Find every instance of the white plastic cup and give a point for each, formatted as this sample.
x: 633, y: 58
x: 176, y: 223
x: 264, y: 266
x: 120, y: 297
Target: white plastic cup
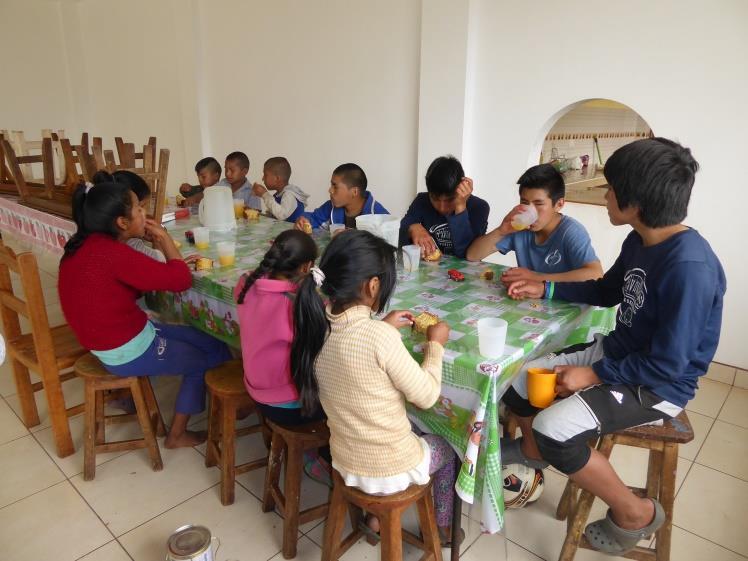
x: 492, y: 337
x: 411, y: 257
x: 226, y: 253
x: 202, y: 237
x: 526, y: 218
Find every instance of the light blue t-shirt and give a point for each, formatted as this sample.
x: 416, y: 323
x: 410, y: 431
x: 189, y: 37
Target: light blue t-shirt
x: 567, y: 248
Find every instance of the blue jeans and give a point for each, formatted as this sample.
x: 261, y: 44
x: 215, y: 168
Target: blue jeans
x: 179, y: 349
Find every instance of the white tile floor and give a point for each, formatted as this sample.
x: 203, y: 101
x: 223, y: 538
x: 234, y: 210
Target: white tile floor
x: 47, y: 511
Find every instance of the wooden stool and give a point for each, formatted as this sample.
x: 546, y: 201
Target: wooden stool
x: 662, y: 443
x: 295, y: 441
x: 227, y: 394
x: 389, y: 510
x: 98, y: 380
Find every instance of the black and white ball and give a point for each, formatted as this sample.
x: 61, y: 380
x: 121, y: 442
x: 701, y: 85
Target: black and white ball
x: 522, y: 485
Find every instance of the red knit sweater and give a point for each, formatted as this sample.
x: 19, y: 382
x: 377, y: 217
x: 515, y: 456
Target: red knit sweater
x: 100, y: 283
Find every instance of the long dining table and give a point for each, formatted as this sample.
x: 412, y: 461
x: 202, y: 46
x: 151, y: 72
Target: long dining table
x: 467, y: 411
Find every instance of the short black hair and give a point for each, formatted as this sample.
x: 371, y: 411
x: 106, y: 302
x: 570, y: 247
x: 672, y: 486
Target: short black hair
x: 240, y: 158
x: 279, y: 166
x: 444, y: 175
x: 352, y: 175
x: 210, y: 163
x: 656, y: 176
x: 546, y: 177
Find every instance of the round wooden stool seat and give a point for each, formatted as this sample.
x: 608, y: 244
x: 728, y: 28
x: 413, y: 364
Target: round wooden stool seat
x: 88, y: 366
x: 304, y: 434
x: 364, y: 500
x: 227, y: 380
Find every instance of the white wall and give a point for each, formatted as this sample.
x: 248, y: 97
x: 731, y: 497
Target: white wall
x: 321, y: 83
x: 680, y: 64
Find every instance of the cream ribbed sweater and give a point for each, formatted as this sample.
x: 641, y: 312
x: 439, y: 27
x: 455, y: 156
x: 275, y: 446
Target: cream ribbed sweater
x: 365, y: 375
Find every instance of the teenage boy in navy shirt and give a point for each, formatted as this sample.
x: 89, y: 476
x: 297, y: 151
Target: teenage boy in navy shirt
x: 448, y: 215
x: 669, y: 285
x: 555, y: 247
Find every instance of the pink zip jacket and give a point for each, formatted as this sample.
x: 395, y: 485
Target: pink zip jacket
x: 266, y: 327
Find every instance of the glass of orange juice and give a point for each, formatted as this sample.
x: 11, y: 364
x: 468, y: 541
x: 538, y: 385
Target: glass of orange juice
x: 238, y: 208
x: 226, y: 253
x: 525, y: 219
x: 202, y: 237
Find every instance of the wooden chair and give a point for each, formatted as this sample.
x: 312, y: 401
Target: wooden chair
x: 98, y: 381
x: 662, y: 443
x: 227, y: 395
x: 49, y: 351
x: 23, y: 147
x: 7, y: 182
x: 295, y: 441
x: 46, y: 196
x: 389, y: 510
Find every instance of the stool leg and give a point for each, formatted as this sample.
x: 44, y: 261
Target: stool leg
x: 565, y: 505
x: 334, y: 525
x: 89, y: 444
x: 391, y: 533
x: 145, y: 423
x: 228, y: 452
x: 100, y: 418
x: 667, y: 498
x: 154, y: 412
x: 214, y: 429
x: 654, y: 469
x: 272, y: 473
x: 427, y: 522
x: 292, y: 493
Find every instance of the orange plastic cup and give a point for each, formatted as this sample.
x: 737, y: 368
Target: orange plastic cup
x: 541, y: 387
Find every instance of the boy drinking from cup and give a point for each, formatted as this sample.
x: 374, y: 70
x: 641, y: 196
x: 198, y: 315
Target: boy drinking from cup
x: 551, y: 247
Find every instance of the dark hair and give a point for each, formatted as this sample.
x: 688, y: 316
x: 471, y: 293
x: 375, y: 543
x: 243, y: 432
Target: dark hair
x: 444, y: 175
x: 210, y: 163
x: 290, y: 250
x: 96, y: 212
x: 240, y: 158
x: 352, y: 258
x: 352, y: 175
x: 127, y: 178
x: 280, y: 167
x: 656, y: 176
x: 546, y: 177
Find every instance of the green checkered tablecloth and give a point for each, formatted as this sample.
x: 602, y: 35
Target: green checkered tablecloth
x: 467, y: 411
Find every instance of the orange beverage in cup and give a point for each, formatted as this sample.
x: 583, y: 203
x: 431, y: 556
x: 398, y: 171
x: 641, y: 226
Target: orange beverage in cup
x: 238, y: 208
x: 226, y: 253
x: 226, y: 260
x: 541, y: 387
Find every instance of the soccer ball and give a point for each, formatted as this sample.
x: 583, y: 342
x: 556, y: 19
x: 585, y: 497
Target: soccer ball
x: 522, y: 485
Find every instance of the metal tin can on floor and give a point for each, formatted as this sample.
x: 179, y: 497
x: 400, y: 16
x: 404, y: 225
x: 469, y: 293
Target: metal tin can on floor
x: 190, y: 543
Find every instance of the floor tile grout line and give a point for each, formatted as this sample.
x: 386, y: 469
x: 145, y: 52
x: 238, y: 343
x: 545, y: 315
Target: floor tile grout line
x: 710, y: 541
x: 47, y: 488
x: 722, y: 472
x: 732, y: 424
x: 522, y: 547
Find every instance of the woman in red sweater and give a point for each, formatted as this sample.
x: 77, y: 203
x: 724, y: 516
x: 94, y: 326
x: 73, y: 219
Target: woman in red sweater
x: 100, y: 279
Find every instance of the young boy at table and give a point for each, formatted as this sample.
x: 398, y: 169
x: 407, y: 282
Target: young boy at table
x: 669, y: 285
x: 349, y: 198
x: 287, y: 201
x: 235, y: 173
x: 448, y: 216
x: 208, y: 172
x: 555, y: 247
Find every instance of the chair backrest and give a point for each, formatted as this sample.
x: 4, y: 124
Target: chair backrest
x: 79, y: 163
x: 6, y: 177
x: 31, y: 306
x: 128, y: 156
x: 15, y: 162
x: 24, y: 147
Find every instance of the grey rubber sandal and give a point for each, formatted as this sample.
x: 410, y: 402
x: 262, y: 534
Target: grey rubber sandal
x: 511, y: 453
x: 609, y: 538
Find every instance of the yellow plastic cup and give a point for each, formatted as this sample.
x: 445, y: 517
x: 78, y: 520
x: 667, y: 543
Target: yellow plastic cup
x: 541, y: 387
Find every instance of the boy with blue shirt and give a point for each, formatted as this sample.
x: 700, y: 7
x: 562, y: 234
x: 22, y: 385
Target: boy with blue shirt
x: 670, y: 288
x: 555, y: 247
x: 235, y: 173
x: 287, y: 202
x: 349, y: 198
x: 448, y: 216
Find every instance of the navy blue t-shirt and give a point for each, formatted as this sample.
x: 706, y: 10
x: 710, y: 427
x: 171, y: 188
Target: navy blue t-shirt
x: 670, y: 314
x: 452, y: 234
